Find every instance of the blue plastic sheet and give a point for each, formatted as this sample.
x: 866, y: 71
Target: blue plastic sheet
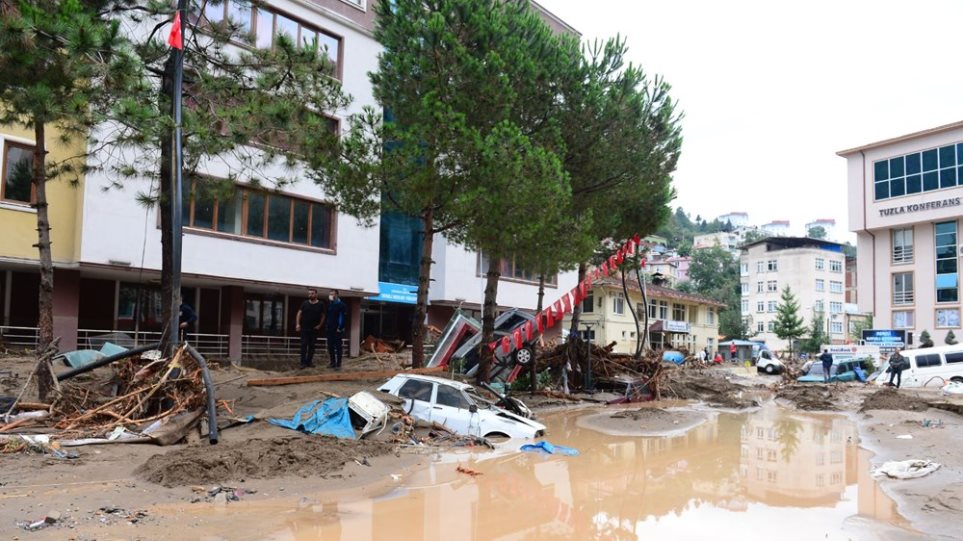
x: 330, y: 418
x: 546, y: 447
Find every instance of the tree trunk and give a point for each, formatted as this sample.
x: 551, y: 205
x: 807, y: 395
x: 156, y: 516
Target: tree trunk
x: 45, y: 336
x: 485, y: 354
x: 635, y: 315
x: 532, y: 369
x: 424, y: 280
x: 577, y: 310
x: 644, y: 336
x: 170, y: 298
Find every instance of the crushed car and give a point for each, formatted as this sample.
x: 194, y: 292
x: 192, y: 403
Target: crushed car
x: 458, y: 407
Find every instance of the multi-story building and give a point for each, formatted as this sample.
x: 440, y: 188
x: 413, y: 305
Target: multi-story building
x: 776, y: 228
x: 682, y: 266
x: 676, y: 319
x: 728, y: 241
x: 736, y: 219
x: 905, y: 206
x: 828, y: 225
x: 813, y: 270
x: 247, y: 260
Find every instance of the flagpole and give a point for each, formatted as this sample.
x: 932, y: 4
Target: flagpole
x: 177, y: 179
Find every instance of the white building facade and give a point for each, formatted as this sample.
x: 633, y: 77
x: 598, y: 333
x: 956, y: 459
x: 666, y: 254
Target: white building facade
x: 905, y: 206
x: 814, y: 272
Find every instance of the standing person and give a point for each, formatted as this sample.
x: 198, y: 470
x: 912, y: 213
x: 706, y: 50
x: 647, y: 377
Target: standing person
x: 897, y: 363
x: 827, y: 360
x: 337, y: 315
x: 308, y: 323
x: 732, y: 351
x: 186, y: 317
x: 702, y: 356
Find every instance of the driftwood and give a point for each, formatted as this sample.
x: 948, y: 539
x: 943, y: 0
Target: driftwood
x: 339, y: 376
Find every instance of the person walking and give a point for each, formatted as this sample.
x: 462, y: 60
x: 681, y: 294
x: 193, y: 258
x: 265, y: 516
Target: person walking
x: 335, y: 319
x: 186, y: 318
x: 897, y: 363
x: 308, y: 323
x: 827, y: 360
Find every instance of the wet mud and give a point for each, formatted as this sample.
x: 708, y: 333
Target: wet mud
x: 890, y: 398
x: 811, y: 397
x: 714, y: 387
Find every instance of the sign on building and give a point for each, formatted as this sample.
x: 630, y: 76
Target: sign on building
x: 676, y: 326
x: 885, y: 338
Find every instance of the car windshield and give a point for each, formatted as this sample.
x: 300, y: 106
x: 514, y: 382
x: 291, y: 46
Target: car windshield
x: 478, y: 400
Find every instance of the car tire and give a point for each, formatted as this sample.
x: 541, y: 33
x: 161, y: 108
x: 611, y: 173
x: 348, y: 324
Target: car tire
x: 525, y: 355
x: 956, y: 379
x: 770, y: 369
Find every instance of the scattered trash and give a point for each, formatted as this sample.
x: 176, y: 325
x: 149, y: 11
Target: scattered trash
x: 549, y: 448
x: 931, y: 423
x: 368, y: 414
x: 904, y: 437
x: 468, y: 471
x: 330, y: 417
x: 906, y: 469
x: 377, y: 345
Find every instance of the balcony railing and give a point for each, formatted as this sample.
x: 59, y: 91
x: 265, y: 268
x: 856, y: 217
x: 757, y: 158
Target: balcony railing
x: 903, y: 297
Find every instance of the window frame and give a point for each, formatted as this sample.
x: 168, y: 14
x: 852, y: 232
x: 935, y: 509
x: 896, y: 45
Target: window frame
x: 772, y: 265
x: 906, y: 254
x: 835, y: 286
x: 30, y: 148
x: 950, y: 325
x: 482, y: 260
x: 618, y: 304
x: 820, y: 264
x: 907, y: 296
x: 911, y: 315
x: 820, y: 285
x: 835, y: 266
x: 954, y: 258
x: 772, y: 286
x: 929, y: 173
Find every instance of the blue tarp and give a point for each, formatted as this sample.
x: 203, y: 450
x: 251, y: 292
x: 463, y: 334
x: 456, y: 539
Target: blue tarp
x: 546, y: 447
x: 330, y: 418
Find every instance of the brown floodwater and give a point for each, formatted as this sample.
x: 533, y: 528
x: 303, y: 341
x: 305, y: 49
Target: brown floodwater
x: 768, y: 474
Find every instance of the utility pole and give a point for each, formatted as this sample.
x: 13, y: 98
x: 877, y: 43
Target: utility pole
x: 177, y: 180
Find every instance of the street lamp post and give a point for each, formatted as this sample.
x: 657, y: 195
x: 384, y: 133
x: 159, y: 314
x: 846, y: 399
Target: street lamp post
x: 589, y: 383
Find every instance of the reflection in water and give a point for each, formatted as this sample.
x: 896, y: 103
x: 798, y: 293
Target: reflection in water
x: 735, y: 476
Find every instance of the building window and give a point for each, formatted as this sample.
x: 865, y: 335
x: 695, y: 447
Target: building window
x: 760, y: 287
x: 618, y: 304
x: 948, y: 318
x: 264, y: 25
x: 820, y: 263
x: 835, y: 287
x: 760, y: 307
x: 693, y: 315
x: 215, y: 206
x: 771, y: 286
x: 835, y: 308
x: 588, y: 304
x: 925, y: 171
x: 678, y: 312
x: 659, y: 310
x: 760, y: 326
x: 264, y: 314
x: 903, y: 245
x: 820, y: 285
x: 587, y: 335
x: 744, y: 269
x: 771, y: 326
x: 903, y: 288
x: 745, y: 306
x: 760, y: 266
x: 745, y: 288
x: 818, y: 306
x: 771, y: 265
x: 771, y: 306
x: 835, y: 266
x: 510, y: 270
x: 947, y: 264
x: 903, y: 319
x: 17, y: 172
x: 836, y: 327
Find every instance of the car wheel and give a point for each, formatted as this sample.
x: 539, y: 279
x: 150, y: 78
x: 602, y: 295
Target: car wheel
x: 956, y: 379
x: 770, y: 369
x: 497, y: 437
x: 524, y: 355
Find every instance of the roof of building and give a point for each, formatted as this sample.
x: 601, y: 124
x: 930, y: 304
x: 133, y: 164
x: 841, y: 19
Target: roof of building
x: 931, y: 131
x: 777, y: 222
x: 558, y: 20
x: 824, y: 221
x: 784, y: 243
x: 740, y: 213
x: 657, y: 291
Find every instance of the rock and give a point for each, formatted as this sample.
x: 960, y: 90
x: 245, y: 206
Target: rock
x: 52, y: 517
x: 220, y: 499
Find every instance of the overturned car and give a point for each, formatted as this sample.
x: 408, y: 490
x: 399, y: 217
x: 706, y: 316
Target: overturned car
x: 458, y: 407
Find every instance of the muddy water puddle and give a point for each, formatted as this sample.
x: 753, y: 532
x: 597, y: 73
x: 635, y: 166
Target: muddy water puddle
x: 769, y: 474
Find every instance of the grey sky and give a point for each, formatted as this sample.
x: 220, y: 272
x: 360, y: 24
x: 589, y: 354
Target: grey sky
x: 772, y: 90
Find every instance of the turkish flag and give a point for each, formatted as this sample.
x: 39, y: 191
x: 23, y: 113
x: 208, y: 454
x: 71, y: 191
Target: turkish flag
x: 540, y: 322
x: 612, y: 264
x: 506, y: 345
x: 519, y: 341
x: 549, y: 318
x: 558, y: 309
x: 529, y: 330
x: 620, y: 256
x: 629, y: 246
x: 643, y: 262
x: 566, y: 304
x: 175, y: 39
x: 605, y: 268
x: 583, y: 288
x: 493, y: 345
x: 636, y: 238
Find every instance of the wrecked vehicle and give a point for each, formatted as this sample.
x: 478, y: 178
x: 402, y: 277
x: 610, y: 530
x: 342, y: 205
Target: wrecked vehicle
x: 458, y: 407
x: 462, y: 336
x: 766, y: 363
x: 839, y: 372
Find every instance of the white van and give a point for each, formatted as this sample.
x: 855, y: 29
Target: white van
x: 929, y: 367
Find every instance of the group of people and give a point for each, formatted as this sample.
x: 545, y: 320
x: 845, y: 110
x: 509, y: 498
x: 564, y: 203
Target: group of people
x: 704, y: 356
x: 897, y: 363
x: 314, y: 314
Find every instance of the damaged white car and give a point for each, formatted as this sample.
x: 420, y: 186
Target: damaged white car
x: 456, y: 406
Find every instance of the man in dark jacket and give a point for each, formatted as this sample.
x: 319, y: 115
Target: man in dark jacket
x: 897, y: 363
x: 308, y: 323
x: 336, y: 318
x: 186, y: 318
x: 827, y: 360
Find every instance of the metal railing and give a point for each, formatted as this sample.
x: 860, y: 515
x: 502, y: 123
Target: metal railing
x: 211, y: 345
x: 281, y: 346
x: 18, y: 337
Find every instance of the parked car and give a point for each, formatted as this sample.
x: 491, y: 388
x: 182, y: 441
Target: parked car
x: 840, y: 372
x: 457, y: 406
x: 505, y: 325
x: 938, y: 365
x: 768, y: 364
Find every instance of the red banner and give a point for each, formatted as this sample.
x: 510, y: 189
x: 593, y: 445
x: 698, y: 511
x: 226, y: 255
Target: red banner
x: 506, y: 345
x: 519, y: 341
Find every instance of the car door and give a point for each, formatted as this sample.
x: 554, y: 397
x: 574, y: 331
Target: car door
x: 418, y: 395
x: 451, y: 408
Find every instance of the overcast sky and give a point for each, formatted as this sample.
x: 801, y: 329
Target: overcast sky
x: 772, y: 90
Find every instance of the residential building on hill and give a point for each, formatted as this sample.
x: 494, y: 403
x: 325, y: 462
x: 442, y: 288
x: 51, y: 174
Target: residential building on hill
x: 737, y: 219
x: 905, y: 198
x: 813, y: 270
x: 828, y: 225
x: 776, y: 228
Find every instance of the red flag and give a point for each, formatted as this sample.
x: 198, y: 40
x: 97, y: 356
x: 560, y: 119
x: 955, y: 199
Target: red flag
x: 506, y: 345
x: 540, y: 322
x: 549, y: 318
x: 558, y: 309
x: 519, y: 341
x: 576, y: 294
x: 583, y: 288
x: 175, y: 39
x: 629, y: 246
x: 529, y: 330
x: 643, y: 262
x: 620, y: 256
x: 636, y: 238
x: 605, y: 269
x: 493, y: 345
x: 566, y: 304
x: 612, y: 264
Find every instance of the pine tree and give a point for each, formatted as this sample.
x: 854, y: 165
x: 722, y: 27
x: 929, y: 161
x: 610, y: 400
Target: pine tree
x: 926, y: 341
x: 789, y: 324
x: 817, y: 334
x: 950, y: 338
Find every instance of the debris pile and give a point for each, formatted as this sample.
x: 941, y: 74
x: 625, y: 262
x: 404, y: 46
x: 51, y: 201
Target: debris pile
x: 810, y: 397
x: 377, y: 345
x: 888, y: 398
x: 405, y: 429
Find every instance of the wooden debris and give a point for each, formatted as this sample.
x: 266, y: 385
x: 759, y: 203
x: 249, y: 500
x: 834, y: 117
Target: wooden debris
x: 468, y: 471
x: 339, y: 376
x: 377, y: 345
